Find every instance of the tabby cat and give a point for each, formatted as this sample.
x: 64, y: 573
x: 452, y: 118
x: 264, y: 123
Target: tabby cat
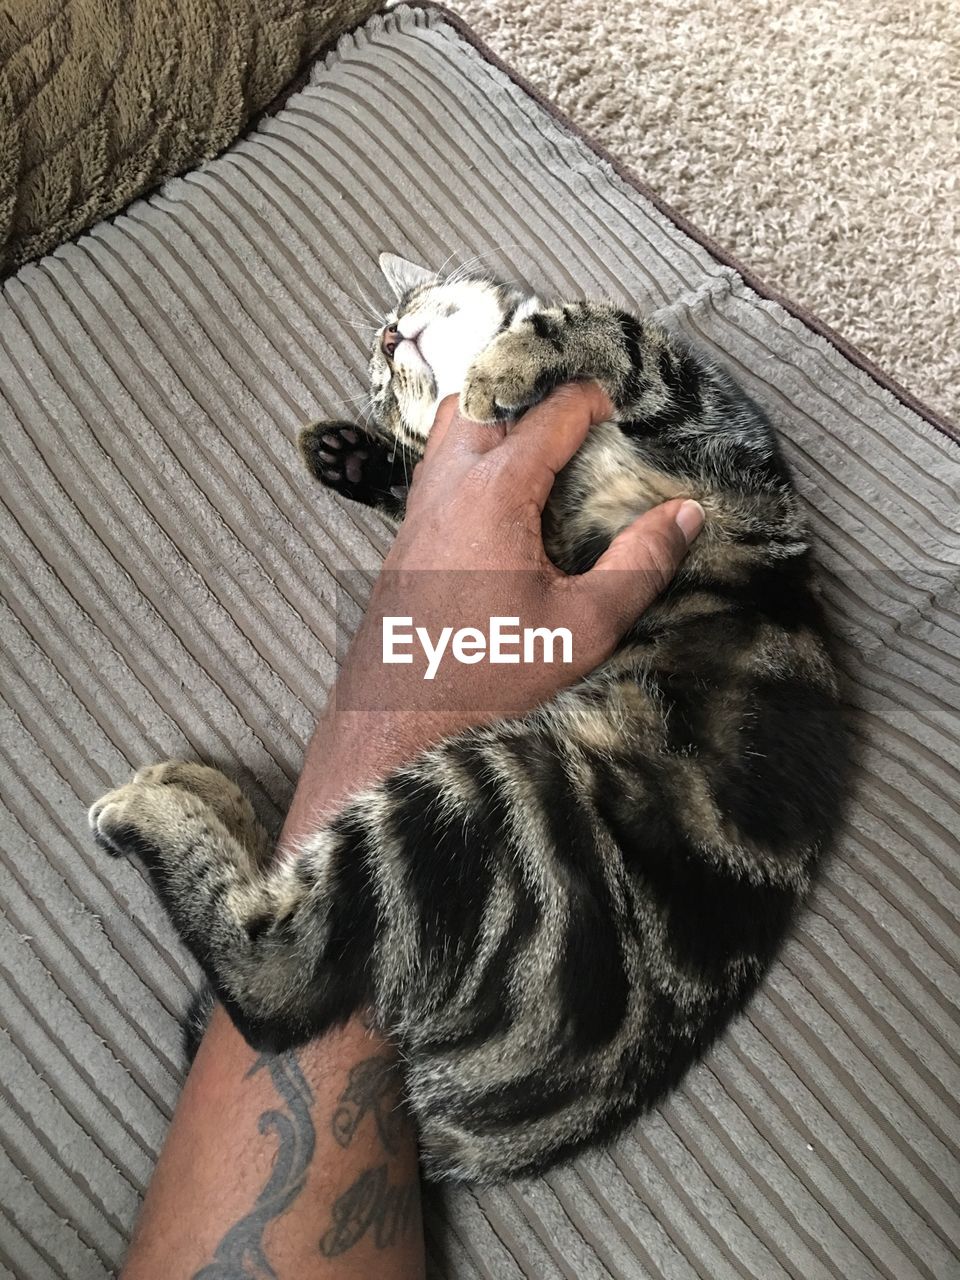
x: 554, y: 915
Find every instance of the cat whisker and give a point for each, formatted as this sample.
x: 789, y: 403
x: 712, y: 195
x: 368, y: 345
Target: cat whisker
x: 375, y: 312
x: 464, y: 268
x: 349, y: 403
x: 443, y: 265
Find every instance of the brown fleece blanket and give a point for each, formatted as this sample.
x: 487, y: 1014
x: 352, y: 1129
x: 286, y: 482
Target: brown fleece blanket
x: 100, y: 100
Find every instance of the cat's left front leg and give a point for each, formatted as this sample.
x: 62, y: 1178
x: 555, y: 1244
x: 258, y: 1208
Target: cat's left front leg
x: 522, y: 365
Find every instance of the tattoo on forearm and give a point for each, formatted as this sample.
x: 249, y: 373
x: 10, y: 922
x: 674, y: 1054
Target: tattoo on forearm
x: 372, y: 1086
x: 371, y: 1204
x: 371, y: 1207
x: 240, y: 1254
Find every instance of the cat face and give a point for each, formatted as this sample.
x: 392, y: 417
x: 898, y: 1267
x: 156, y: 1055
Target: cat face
x: 430, y: 339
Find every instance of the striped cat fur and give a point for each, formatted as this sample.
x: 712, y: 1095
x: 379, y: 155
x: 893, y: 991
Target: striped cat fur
x: 554, y: 916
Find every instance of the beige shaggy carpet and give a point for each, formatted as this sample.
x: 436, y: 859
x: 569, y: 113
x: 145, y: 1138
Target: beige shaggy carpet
x: 818, y: 140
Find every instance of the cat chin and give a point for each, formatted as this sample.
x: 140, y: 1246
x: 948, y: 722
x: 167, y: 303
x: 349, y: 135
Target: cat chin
x: 451, y: 385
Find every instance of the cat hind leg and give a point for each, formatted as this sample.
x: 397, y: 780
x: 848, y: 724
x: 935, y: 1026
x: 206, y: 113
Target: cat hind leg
x: 207, y: 857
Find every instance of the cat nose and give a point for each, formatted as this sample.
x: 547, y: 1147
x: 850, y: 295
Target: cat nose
x: 389, y: 340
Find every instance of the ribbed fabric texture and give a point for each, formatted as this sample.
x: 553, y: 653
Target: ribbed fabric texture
x: 170, y: 587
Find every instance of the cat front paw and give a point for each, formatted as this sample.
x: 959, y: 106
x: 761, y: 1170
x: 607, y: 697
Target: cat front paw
x: 215, y: 789
x: 335, y: 453
x: 514, y: 372
x: 347, y: 460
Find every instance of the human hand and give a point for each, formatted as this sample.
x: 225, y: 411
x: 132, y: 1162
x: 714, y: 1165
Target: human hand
x: 471, y: 550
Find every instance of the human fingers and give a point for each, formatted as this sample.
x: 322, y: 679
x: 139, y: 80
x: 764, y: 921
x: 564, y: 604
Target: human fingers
x: 452, y: 432
x: 642, y: 560
x: 548, y: 435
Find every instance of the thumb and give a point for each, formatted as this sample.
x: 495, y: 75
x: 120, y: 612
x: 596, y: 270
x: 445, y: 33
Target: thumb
x: 643, y: 558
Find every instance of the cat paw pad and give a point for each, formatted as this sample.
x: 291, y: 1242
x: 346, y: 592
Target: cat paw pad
x: 335, y: 454
x: 345, y: 459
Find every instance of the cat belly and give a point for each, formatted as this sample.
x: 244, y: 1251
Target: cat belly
x: 605, y: 487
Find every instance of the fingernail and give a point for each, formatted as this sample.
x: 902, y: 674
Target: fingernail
x: 690, y: 517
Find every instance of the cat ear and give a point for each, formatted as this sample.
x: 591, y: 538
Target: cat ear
x: 403, y: 275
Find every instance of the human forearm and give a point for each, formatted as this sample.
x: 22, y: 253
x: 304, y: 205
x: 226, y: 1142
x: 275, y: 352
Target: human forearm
x: 306, y: 1160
